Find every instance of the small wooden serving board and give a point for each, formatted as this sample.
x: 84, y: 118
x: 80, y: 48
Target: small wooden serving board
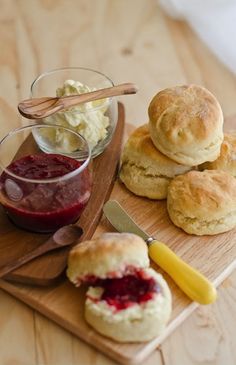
x: 214, y: 256
x: 15, y: 242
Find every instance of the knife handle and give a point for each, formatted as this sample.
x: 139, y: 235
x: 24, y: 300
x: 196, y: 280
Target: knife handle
x: 195, y: 285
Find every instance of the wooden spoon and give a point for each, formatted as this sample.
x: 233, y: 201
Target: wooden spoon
x: 37, y: 108
x: 64, y: 236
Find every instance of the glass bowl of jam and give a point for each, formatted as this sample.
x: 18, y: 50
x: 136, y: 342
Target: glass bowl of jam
x: 43, y: 191
x: 96, y: 120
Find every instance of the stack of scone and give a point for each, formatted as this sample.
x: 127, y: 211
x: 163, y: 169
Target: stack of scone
x: 126, y: 299
x: 185, y: 130
x: 145, y: 170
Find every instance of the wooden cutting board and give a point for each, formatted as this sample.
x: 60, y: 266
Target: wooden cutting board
x: 14, y: 242
x: 213, y: 256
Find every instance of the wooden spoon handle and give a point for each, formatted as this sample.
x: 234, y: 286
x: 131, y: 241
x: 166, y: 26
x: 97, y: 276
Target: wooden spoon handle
x: 122, y: 89
x: 38, y: 108
x: 64, y: 236
x: 40, y: 250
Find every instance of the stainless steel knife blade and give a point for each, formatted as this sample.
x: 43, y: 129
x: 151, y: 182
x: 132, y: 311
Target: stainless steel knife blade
x: 120, y: 220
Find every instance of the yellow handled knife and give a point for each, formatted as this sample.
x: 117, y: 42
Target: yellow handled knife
x: 195, y: 285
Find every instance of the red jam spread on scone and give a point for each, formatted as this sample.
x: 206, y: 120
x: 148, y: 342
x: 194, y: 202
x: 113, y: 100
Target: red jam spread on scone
x: 45, y: 206
x: 128, y: 290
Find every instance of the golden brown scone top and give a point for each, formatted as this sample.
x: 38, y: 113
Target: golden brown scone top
x: 211, y: 193
x: 186, y: 124
x: 107, y: 255
x: 186, y: 108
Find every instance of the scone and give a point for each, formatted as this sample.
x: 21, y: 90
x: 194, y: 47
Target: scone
x: 227, y: 159
x: 110, y: 255
x: 126, y: 301
x: 131, y: 309
x: 144, y: 170
x: 203, y: 203
x: 186, y: 124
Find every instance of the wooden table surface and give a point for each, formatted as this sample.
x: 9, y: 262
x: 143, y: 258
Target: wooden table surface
x: 129, y: 40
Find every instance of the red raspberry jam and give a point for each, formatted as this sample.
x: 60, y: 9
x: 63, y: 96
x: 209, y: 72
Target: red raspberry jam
x: 128, y: 290
x: 44, y: 207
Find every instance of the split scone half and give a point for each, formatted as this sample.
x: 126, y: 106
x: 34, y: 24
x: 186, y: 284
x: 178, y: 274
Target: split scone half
x: 203, y: 203
x: 126, y: 299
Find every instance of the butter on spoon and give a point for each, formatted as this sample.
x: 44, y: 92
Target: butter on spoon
x: 38, y: 108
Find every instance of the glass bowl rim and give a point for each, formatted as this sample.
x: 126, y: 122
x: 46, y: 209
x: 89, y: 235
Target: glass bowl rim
x: 49, y: 180
x: 55, y: 70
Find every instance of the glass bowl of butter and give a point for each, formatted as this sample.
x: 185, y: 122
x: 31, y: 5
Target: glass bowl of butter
x: 95, y: 121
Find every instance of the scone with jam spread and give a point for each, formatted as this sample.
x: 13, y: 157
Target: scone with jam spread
x: 126, y: 299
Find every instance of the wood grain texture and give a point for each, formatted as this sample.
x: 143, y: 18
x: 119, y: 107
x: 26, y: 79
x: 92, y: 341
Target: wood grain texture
x: 214, y: 256
x: 65, y: 236
x: 128, y: 40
